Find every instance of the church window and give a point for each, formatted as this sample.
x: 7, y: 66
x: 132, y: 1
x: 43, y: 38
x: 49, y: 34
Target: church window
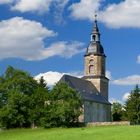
x: 91, y: 62
x: 93, y: 37
x: 91, y: 69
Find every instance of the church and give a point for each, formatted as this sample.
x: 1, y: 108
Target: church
x: 93, y: 87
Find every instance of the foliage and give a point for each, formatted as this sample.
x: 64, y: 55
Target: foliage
x: 42, y: 82
x: 25, y: 102
x: 21, y: 99
x: 133, y: 106
x: 117, y: 111
x: 37, y: 103
x: 16, y: 112
x: 63, y: 107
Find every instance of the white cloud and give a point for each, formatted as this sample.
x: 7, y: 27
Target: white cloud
x: 52, y: 77
x: 138, y: 59
x: 127, y: 81
x: 59, y: 6
x: 125, y: 96
x: 64, y: 49
x: 113, y: 100
x: 122, y: 101
x: 108, y: 75
x: 6, y: 1
x: 85, y: 9
x: 40, y: 6
x: 123, y: 14
x: 32, y: 6
x: 22, y: 38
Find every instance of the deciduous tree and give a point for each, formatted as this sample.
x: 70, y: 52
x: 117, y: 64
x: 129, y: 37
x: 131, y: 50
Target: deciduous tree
x: 63, y: 108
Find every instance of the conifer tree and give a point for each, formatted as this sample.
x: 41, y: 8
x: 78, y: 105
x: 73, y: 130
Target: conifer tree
x: 133, y: 106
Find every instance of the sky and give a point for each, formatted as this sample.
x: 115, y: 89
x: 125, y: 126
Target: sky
x: 49, y: 38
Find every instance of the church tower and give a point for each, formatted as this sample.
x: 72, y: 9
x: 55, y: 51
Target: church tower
x: 95, y: 63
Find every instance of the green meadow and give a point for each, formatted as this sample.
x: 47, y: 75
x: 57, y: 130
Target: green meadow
x: 87, y: 133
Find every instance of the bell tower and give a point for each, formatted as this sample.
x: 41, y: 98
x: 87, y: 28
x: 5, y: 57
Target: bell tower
x: 95, y: 62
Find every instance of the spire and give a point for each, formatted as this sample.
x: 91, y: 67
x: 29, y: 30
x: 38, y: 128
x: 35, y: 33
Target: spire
x: 95, y: 29
x: 95, y: 46
x: 95, y: 35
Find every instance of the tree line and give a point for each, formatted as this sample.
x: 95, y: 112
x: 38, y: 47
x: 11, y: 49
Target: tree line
x: 24, y: 102
x: 130, y: 110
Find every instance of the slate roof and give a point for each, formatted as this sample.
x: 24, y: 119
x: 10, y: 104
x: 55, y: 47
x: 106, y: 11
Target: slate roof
x: 94, y: 48
x: 87, y: 90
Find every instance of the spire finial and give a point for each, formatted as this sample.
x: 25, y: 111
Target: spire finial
x: 95, y: 17
x: 95, y: 24
x: 95, y: 35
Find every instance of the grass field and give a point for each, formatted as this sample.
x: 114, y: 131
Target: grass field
x: 94, y: 133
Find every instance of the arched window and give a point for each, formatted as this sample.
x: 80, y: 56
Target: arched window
x: 91, y: 69
x: 91, y: 62
x: 93, y: 37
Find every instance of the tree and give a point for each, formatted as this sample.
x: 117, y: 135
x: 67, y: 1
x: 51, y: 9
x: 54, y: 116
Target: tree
x: 37, y: 103
x: 42, y: 82
x: 22, y: 99
x: 25, y: 102
x: 63, y: 106
x: 117, y: 111
x: 16, y: 112
x: 133, y: 106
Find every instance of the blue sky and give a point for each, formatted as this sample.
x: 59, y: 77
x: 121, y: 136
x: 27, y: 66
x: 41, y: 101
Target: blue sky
x: 49, y: 37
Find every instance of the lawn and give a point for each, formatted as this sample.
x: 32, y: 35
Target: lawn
x: 92, y: 133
